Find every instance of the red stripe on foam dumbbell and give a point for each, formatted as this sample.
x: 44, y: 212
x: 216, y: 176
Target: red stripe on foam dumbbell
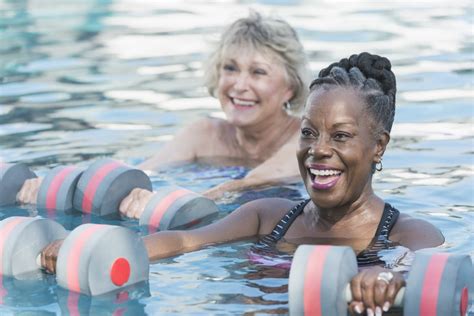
x: 164, y: 204
x: 464, y: 303
x: 94, y: 183
x: 73, y: 281
x: 55, y: 185
x: 313, y: 280
x: 432, y: 283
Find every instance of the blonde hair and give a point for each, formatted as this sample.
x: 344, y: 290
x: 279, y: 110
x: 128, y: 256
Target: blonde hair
x: 270, y: 36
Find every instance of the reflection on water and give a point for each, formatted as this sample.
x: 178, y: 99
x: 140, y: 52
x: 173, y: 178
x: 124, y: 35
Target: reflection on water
x: 82, y: 79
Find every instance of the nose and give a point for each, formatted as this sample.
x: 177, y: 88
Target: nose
x: 320, y: 149
x: 241, y: 82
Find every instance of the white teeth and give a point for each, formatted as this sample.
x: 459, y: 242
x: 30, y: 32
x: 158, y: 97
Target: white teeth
x: 325, y: 172
x: 243, y: 102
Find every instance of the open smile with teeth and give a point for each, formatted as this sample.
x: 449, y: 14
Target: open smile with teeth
x: 323, y: 179
x: 244, y: 103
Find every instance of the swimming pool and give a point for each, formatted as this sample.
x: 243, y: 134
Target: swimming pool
x: 83, y: 79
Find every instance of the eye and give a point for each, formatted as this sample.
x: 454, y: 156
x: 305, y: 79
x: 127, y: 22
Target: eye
x: 229, y: 67
x: 342, y: 136
x: 259, y: 71
x: 306, y: 132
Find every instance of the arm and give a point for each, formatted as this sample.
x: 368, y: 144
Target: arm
x: 244, y: 222
x: 281, y: 167
x: 416, y: 233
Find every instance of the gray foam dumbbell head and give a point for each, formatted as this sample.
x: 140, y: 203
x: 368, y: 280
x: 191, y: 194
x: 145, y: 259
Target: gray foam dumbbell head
x: 58, y: 187
x: 97, y: 259
x: 174, y: 207
x: 12, y: 178
x: 318, y: 279
x: 105, y: 184
x: 439, y: 284
x: 22, y: 240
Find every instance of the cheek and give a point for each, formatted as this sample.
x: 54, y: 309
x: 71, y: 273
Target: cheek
x: 223, y: 83
x: 301, y: 153
x: 358, y: 157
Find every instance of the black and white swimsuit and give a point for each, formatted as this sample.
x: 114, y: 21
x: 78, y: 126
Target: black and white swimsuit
x: 369, y: 256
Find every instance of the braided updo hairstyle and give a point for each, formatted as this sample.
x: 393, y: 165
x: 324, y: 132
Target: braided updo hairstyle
x: 371, y: 76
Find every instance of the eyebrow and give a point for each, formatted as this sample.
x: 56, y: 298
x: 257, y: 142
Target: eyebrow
x: 259, y: 64
x: 349, y: 122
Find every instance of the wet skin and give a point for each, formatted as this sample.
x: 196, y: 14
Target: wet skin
x: 337, y: 144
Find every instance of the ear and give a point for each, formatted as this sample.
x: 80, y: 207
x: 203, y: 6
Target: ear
x: 380, y: 146
x: 288, y: 95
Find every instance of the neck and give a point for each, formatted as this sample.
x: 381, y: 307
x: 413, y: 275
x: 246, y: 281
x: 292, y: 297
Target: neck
x: 365, y: 209
x: 260, y: 140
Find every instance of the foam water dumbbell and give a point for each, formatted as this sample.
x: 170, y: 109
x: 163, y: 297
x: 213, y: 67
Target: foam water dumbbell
x: 12, y: 177
x: 97, y: 259
x: 438, y: 284
x: 22, y: 239
x: 105, y: 184
x: 174, y: 207
x: 57, y: 188
x: 93, y: 259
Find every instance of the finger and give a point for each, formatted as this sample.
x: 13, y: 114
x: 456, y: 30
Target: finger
x: 380, y: 290
x: 356, y: 308
x: 130, y: 209
x: 143, y: 194
x: 21, y: 194
x: 392, y: 290
x: 125, y: 204
x: 28, y: 197
x: 367, y: 286
x: 37, y: 185
x: 356, y: 289
x: 46, y: 259
x: 144, y: 199
x: 138, y: 209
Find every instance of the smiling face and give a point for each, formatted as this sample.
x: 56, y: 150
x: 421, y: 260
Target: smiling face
x: 337, y: 147
x: 252, y: 87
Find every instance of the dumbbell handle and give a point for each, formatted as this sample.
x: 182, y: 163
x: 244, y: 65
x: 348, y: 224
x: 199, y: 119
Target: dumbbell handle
x: 398, y: 302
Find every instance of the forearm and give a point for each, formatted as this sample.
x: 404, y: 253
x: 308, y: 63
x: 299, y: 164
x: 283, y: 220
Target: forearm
x: 249, y: 182
x: 165, y: 244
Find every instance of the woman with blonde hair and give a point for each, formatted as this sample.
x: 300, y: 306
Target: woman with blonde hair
x: 259, y: 73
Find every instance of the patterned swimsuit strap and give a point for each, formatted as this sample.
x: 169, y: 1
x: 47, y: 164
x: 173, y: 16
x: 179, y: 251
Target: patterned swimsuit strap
x: 284, y: 224
x: 381, y: 240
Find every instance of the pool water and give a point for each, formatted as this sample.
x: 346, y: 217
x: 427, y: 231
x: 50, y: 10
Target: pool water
x: 82, y: 79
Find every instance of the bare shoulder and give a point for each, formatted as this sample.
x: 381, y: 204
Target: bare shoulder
x: 270, y: 211
x: 206, y: 125
x: 416, y: 233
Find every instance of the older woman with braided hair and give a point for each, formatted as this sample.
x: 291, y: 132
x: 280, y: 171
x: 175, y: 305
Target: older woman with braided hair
x: 345, y: 129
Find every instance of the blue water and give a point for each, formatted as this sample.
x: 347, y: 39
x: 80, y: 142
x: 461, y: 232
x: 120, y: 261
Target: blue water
x: 82, y: 79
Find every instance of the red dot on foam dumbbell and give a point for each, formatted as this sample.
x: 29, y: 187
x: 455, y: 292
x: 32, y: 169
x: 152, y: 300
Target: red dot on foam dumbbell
x: 120, y: 271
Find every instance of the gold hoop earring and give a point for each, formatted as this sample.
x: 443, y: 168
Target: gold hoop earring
x: 378, y: 165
